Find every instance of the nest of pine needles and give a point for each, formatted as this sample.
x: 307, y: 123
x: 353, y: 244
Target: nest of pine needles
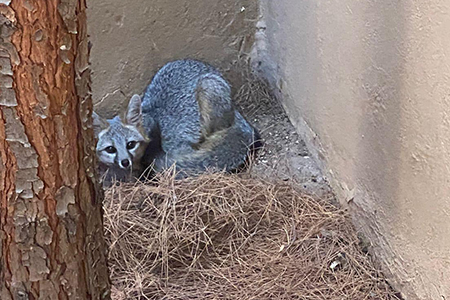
x: 222, y: 236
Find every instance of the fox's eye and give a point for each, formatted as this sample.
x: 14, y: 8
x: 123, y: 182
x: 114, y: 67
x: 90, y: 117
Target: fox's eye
x: 131, y: 145
x: 110, y: 149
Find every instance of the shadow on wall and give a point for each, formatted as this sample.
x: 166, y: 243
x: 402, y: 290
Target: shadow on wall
x: 383, y: 84
x: 402, y: 84
x: 287, y: 57
x: 380, y: 125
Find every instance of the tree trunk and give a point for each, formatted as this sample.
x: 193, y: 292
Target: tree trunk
x: 51, y: 233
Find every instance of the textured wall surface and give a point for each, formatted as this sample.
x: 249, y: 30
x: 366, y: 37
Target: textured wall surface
x: 368, y: 83
x: 132, y: 39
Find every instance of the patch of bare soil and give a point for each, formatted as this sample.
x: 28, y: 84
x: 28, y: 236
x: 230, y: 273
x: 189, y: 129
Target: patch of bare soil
x: 284, y: 155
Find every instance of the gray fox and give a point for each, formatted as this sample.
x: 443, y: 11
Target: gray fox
x: 120, y: 144
x: 188, y: 120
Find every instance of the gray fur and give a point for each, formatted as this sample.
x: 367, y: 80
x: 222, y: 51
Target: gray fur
x: 189, y: 120
x: 188, y: 107
x: 124, y: 162
x: 133, y: 116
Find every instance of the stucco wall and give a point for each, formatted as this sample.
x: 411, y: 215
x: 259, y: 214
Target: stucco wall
x: 132, y: 39
x: 368, y: 84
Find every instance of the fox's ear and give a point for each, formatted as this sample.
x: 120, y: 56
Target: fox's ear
x: 98, y: 123
x: 133, y: 116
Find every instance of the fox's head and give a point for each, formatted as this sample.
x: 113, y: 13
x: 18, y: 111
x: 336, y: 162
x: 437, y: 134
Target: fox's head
x: 121, y: 144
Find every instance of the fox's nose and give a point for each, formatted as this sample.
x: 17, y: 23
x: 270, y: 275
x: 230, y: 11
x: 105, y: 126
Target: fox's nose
x: 125, y: 163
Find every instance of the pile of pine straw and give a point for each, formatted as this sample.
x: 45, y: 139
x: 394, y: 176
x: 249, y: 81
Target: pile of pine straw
x: 233, y: 237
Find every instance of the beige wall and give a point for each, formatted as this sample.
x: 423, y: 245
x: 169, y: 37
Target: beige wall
x: 368, y: 83
x: 132, y: 39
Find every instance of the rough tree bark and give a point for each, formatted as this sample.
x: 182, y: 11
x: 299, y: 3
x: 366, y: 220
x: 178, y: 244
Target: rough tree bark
x: 51, y: 233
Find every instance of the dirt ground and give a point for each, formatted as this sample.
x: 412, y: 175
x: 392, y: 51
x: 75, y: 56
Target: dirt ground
x: 284, y: 155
